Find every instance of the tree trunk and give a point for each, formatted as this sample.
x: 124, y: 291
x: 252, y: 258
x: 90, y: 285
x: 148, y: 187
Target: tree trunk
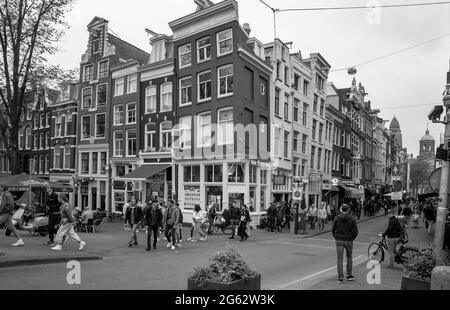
x: 15, y: 163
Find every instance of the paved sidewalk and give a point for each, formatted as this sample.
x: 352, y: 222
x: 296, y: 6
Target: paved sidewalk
x: 390, y: 278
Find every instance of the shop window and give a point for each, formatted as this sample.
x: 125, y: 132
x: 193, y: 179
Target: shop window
x: 192, y: 174
x: 214, y: 174
x: 236, y: 173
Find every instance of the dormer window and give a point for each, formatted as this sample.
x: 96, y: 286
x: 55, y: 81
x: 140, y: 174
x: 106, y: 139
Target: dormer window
x: 96, y: 46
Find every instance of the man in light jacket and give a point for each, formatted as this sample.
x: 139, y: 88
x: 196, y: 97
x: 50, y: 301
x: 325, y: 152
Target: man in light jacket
x: 345, y: 231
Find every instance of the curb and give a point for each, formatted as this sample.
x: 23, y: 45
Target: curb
x: 45, y: 261
x: 329, y: 230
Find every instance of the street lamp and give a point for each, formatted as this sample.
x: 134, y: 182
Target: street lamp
x: 108, y: 169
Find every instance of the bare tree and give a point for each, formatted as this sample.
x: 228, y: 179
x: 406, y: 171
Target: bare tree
x: 420, y: 173
x: 28, y: 32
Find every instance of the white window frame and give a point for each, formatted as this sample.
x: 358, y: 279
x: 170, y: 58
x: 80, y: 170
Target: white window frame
x: 58, y: 126
x: 41, y: 120
x: 132, y: 83
x: 119, y: 82
x: 82, y: 134
x: 226, y: 77
x: 28, y: 135
x: 118, y: 152
x: 135, y: 113
x: 182, y: 54
x: 220, y: 133
x: 47, y: 139
x: 95, y: 131
x: 66, y: 163
x: 96, y: 99
x: 204, y: 48
x: 198, y: 85
x: 185, y: 88
x: 152, y: 134
x: 203, y: 140
x: 230, y: 30
x: 185, y: 132
x: 21, y: 139
x: 47, y: 163
x: 99, y: 71
x: 165, y: 95
x: 48, y: 119
x: 84, y: 72
x: 151, y: 100
x: 116, y: 123
x: 82, y: 98
x: 135, y: 143
x: 57, y: 156
x: 163, y: 132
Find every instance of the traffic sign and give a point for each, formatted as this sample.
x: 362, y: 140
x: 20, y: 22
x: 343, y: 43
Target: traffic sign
x: 398, y: 186
x: 297, y: 194
x: 396, y: 178
x: 395, y: 170
x: 397, y: 196
x: 361, y: 188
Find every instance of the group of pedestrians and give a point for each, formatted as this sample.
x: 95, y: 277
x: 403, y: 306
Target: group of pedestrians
x: 279, y: 215
x: 240, y: 222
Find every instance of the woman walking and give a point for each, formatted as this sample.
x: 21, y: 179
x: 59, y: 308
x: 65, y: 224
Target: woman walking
x: 198, y: 221
x: 312, y: 215
x: 67, y: 225
x: 244, y: 229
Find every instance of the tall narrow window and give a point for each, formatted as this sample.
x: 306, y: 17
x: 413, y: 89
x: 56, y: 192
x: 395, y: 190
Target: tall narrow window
x: 150, y: 132
x: 185, y: 55
x: 204, y: 130
x: 185, y: 136
x: 57, y: 159
x: 166, y: 97
x: 131, y: 113
x: 87, y: 98
x: 58, y: 126
x: 224, y: 42
x: 166, y: 136
x: 41, y: 120
x: 67, y: 157
x: 21, y: 139
x: 204, y: 49
x: 102, y: 91
x: 94, y: 163
x: 118, y: 143
x: 100, y: 125
x: 118, y: 115
x: 286, y: 107
x: 225, y: 81
x: 150, y: 99
x: 132, y: 83
x: 86, y: 127
x: 131, y: 142
x: 225, y: 126
x: 305, y: 114
x: 286, y: 144
x: 28, y: 138
x: 47, y: 163
x: 103, y: 69
x: 204, y: 86
x: 88, y: 73
x: 85, y: 163
x: 186, y: 91
x: 277, y: 102
x: 119, y: 86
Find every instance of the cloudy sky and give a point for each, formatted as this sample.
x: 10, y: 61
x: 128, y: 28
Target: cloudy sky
x: 344, y: 38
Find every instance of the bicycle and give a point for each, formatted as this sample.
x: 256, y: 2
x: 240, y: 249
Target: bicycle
x: 224, y: 228
x: 376, y: 252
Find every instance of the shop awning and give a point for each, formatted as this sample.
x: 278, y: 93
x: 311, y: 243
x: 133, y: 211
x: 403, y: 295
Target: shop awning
x: 145, y: 172
x: 351, y: 192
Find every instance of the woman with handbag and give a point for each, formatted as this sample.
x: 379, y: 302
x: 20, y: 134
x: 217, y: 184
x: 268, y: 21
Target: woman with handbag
x: 198, y: 221
x: 67, y: 225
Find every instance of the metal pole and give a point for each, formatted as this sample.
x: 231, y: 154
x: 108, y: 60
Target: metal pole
x: 442, y: 210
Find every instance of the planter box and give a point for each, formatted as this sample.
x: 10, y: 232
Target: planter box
x: 409, y: 284
x: 251, y: 284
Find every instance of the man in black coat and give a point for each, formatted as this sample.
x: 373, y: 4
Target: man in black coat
x: 235, y: 213
x: 393, y: 234
x: 345, y: 231
x: 53, y: 209
x: 153, y: 219
x: 272, y: 214
x: 133, y: 216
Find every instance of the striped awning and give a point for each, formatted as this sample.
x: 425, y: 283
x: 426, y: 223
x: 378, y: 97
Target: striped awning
x: 351, y: 192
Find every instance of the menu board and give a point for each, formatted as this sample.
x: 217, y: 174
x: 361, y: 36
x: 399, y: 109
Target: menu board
x: 192, y: 197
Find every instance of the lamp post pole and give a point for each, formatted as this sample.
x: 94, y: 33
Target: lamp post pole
x: 108, y: 169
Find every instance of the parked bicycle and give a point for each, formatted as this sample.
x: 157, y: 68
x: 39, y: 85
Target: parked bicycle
x: 219, y: 225
x: 376, y: 252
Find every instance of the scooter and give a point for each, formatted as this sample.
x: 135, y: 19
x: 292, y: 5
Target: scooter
x: 34, y: 223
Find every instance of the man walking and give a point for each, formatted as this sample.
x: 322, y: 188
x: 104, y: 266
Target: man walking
x: 171, y: 218
x: 133, y: 216
x: 345, y: 231
x: 235, y: 219
x: 272, y: 214
x: 153, y: 218
x: 7, y: 211
x: 53, y: 208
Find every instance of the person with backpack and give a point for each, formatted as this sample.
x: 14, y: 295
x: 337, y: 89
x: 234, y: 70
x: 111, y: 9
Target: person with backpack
x: 7, y: 211
x: 67, y: 225
x: 153, y: 218
x: 393, y: 234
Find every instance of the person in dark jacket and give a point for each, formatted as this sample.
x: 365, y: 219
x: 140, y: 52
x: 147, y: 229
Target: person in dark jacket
x: 345, y: 231
x: 7, y: 211
x: 393, y: 234
x: 54, y: 215
x: 153, y: 218
x: 272, y: 215
x: 235, y: 213
x: 244, y: 222
x: 280, y: 218
x: 447, y: 237
x: 133, y: 216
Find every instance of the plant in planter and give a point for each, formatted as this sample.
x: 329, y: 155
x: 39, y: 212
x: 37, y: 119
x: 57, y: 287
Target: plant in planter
x: 419, y: 268
x: 228, y: 271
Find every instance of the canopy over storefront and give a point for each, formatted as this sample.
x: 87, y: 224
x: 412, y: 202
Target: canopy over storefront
x: 23, y: 182
x: 351, y: 192
x: 145, y: 172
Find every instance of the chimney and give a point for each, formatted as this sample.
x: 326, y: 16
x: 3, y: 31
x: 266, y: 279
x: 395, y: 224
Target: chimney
x: 247, y: 28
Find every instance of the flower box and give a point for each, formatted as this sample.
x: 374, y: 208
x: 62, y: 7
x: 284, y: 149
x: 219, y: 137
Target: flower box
x: 410, y: 284
x: 249, y: 284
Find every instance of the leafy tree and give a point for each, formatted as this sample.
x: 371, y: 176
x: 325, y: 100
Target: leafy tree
x: 28, y: 32
x: 420, y: 173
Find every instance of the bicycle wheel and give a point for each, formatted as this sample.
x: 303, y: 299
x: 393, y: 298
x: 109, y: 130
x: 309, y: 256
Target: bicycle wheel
x: 227, y: 230
x: 376, y: 253
x: 406, y: 254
